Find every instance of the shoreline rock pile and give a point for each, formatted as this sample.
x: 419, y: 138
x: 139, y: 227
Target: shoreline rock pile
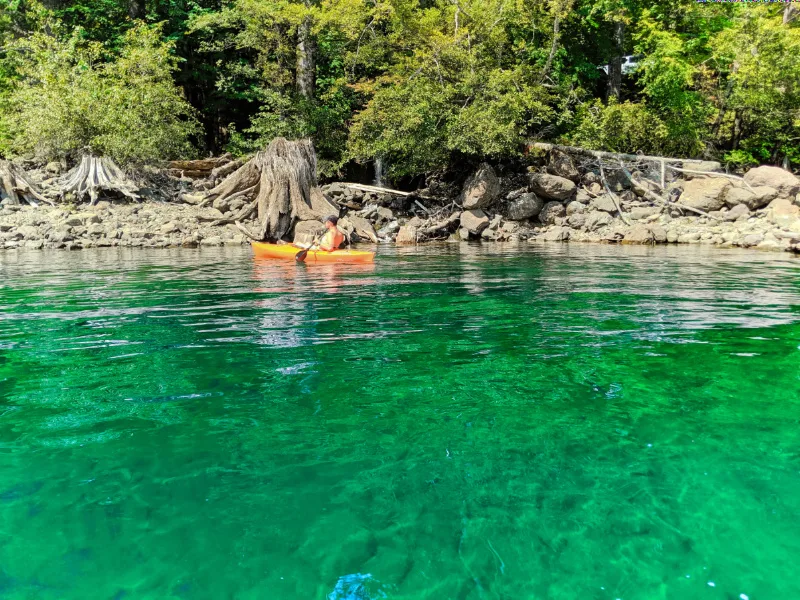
x: 556, y: 200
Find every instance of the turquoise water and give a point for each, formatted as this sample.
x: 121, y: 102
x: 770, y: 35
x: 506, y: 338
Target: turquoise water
x: 462, y: 422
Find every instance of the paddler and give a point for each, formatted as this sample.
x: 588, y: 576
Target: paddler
x: 333, y: 238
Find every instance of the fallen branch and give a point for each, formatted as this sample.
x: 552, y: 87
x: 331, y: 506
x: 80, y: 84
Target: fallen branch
x: 375, y: 189
x: 665, y: 202
x: 712, y: 174
x: 422, y: 206
x: 611, y: 155
x: 613, y: 196
x: 436, y: 227
x: 659, y: 199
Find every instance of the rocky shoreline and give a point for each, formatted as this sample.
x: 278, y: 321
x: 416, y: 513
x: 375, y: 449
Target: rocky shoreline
x: 553, y: 201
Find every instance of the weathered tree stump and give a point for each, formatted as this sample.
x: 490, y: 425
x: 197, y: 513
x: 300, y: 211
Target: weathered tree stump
x: 283, y: 181
x: 95, y: 174
x: 15, y: 186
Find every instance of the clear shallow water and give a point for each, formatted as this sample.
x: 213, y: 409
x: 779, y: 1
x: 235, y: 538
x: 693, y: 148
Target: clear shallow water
x: 559, y: 422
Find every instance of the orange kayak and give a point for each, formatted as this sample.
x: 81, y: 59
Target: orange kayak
x: 289, y: 251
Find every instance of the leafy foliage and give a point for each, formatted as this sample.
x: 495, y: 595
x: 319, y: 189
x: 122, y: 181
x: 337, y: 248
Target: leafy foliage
x: 68, y: 99
x: 416, y: 83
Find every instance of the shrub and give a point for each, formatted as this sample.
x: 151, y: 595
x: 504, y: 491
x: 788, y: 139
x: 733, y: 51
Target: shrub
x: 70, y: 99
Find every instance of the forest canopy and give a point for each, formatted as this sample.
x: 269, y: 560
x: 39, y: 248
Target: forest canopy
x: 419, y: 84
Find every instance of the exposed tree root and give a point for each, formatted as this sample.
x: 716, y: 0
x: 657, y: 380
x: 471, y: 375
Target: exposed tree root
x: 283, y: 179
x: 95, y: 174
x: 15, y: 186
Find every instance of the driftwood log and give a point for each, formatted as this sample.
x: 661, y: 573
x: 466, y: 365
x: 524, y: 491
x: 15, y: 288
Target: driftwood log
x: 95, y: 174
x: 615, y: 156
x: 283, y: 181
x: 197, y: 169
x: 15, y: 186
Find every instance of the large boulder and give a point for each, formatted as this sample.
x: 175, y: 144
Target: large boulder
x: 552, y: 211
x: 575, y: 207
x: 738, y: 212
x: 474, y: 221
x: 582, y: 196
x: 659, y: 233
x: 639, y: 234
x: 360, y: 226
x: 481, y: 189
x: 306, y: 231
x: 576, y: 220
x: 556, y: 234
x: 524, y: 207
x: 759, y: 197
x: 597, y: 219
x: 783, y: 213
x: 552, y: 187
x: 561, y: 164
x: 604, y: 203
x: 787, y: 184
x: 705, y: 194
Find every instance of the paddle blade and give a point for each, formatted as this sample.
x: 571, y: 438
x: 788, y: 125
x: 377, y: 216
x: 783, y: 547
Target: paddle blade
x: 301, y: 256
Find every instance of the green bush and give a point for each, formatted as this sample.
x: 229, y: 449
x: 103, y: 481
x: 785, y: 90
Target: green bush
x: 632, y: 128
x: 68, y: 99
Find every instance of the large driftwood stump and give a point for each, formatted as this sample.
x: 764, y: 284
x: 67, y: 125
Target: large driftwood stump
x: 15, y: 186
x: 95, y: 174
x: 283, y: 181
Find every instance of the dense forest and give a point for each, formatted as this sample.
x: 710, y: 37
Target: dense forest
x: 413, y: 84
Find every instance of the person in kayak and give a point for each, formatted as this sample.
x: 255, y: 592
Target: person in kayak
x: 333, y: 238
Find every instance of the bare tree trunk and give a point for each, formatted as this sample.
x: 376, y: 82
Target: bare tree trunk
x: 137, y: 9
x: 615, y: 68
x: 282, y: 180
x: 553, y: 46
x: 789, y: 13
x: 737, y: 131
x: 723, y: 104
x: 306, y: 68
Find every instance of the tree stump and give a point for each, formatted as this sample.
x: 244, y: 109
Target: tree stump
x: 283, y: 181
x: 15, y: 186
x: 95, y: 174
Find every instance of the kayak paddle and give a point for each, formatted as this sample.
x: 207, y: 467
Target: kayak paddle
x: 301, y: 256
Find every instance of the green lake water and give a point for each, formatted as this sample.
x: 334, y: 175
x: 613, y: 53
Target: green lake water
x: 558, y: 422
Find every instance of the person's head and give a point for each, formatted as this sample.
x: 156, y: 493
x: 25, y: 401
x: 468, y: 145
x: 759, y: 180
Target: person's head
x: 331, y: 221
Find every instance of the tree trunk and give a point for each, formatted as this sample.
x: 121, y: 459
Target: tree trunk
x: 95, y: 174
x: 306, y: 68
x: 15, y: 185
x: 615, y: 67
x: 283, y: 181
x: 789, y: 13
x: 737, y: 131
x: 137, y: 9
x: 553, y: 46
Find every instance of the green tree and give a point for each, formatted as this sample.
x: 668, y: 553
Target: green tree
x: 68, y: 99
